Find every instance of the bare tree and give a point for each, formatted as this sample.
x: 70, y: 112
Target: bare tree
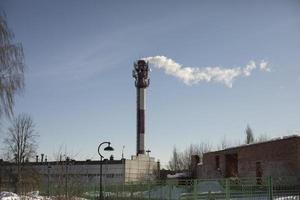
x: 11, y: 68
x: 174, y: 163
x: 262, y: 138
x: 194, y: 149
x: 224, y: 143
x: 249, y: 135
x: 182, y: 160
x: 66, y: 174
x: 21, y: 142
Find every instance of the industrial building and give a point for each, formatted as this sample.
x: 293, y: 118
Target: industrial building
x: 138, y: 168
x: 278, y: 158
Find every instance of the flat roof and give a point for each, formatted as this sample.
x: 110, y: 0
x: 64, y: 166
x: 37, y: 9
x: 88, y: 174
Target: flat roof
x: 279, y: 139
x: 72, y: 162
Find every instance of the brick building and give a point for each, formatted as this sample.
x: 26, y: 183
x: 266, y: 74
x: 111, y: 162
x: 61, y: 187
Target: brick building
x: 277, y: 158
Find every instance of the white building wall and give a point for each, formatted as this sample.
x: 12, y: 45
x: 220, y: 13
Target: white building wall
x: 85, y: 173
x: 140, y: 168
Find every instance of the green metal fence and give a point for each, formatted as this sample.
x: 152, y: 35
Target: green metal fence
x: 232, y: 188
x: 283, y: 188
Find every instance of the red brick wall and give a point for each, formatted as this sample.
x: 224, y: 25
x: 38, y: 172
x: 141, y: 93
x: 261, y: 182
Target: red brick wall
x: 277, y: 158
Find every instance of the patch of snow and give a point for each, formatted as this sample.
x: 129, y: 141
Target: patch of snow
x: 9, y: 196
x: 34, y: 195
x: 177, y: 175
x: 287, y: 198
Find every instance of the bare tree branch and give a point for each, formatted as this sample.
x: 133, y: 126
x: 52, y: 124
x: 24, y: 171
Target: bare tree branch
x: 182, y: 160
x: 11, y: 69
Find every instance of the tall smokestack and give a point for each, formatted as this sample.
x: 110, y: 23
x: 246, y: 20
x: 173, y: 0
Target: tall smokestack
x: 140, y: 74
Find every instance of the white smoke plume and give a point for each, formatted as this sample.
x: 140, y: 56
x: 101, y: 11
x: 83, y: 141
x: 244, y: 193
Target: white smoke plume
x: 195, y: 75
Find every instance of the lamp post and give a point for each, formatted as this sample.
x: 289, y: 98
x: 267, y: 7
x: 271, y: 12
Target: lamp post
x: 108, y: 148
x: 48, y: 178
x: 66, y: 176
x: 148, y: 153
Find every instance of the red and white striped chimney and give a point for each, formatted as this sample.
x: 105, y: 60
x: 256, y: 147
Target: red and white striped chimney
x: 140, y: 74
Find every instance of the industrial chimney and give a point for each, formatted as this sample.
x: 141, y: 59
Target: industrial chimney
x: 140, y: 74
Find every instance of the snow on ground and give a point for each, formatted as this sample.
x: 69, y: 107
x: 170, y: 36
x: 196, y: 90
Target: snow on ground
x: 29, y: 196
x: 9, y: 196
x: 288, y: 198
x: 34, y: 195
x: 209, y: 186
x: 165, y: 192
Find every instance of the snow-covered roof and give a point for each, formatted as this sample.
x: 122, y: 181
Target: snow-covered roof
x: 262, y: 142
x: 177, y: 175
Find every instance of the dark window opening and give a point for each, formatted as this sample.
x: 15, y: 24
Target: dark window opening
x: 231, y: 161
x: 259, y: 173
x: 217, y: 162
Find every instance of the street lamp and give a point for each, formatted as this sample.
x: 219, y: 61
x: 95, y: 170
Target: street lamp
x: 66, y: 176
x: 148, y: 153
x: 108, y: 148
x: 48, y: 178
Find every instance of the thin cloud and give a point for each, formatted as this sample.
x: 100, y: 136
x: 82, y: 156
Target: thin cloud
x: 264, y: 66
x: 195, y: 75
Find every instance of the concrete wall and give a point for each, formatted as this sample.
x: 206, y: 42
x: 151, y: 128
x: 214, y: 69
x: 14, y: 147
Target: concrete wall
x: 140, y: 168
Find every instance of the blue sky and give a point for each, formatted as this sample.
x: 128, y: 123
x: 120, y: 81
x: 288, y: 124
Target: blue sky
x: 80, y: 55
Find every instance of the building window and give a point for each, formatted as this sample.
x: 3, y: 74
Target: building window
x: 217, y: 162
x: 110, y: 175
x: 259, y: 173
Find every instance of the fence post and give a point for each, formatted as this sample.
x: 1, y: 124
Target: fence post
x: 123, y: 189
x: 170, y: 186
x: 149, y: 188
x: 227, y: 189
x: 117, y: 190
x: 195, y: 189
x: 270, y: 188
x: 131, y: 190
